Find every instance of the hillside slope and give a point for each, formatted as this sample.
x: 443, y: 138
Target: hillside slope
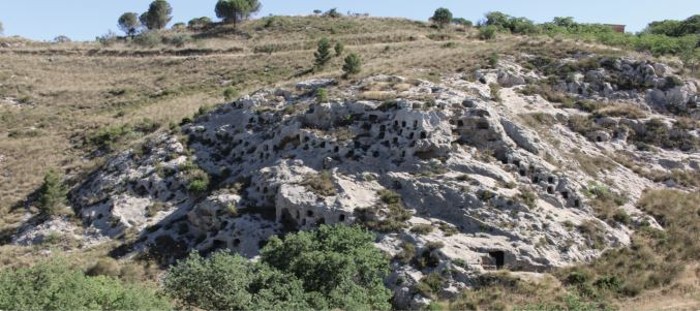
x: 465, y: 156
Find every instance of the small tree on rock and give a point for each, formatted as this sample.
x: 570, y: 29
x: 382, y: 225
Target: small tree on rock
x: 129, y: 23
x: 323, y: 53
x: 52, y: 195
x: 442, y: 17
x: 353, y: 64
x: 158, y: 15
x: 236, y: 11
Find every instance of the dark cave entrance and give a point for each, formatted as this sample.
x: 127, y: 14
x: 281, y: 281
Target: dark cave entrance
x: 499, y: 258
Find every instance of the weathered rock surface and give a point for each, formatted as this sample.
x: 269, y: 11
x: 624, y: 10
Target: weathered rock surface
x: 495, y: 191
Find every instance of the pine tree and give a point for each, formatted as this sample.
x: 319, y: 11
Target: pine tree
x: 323, y: 54
x: 52, y: 195
x: 353, y: 64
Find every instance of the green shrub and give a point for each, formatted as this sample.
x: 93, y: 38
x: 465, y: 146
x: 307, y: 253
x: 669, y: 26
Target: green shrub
x: 321, y: 95
x: 199, y: 23
x: 321, y: 183
x: 408, y: 252
x: 488, y: 32
x: 54, y: 285
x: 231, y: 93
x: 353, y: 64
x: 422, y: 229
x: 323, y: 53
x: 338, y: 262
x: 149, y: 39
x: 52, y: 194
x: 462, y: 21
x: 329, y: 268
x: 179, y: 40
x: 339, y: 48
x: 197, y: 181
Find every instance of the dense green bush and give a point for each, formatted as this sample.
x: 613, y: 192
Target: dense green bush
x: 516, y: 25
x: 56, y: 286
x: 674, y: 28
x: 353, y: 64
x: 442, y: 17
x: 231, y: 93
x: 488, y: 32
x: 330, y: 268
x: 149, y: 39
x: 230, y: 282
x: 655, y: 41
x: 199, y: 22
x: 341, y: 263
x: 339, y: 48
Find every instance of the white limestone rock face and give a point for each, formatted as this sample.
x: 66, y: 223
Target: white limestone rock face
x: 496, y: 191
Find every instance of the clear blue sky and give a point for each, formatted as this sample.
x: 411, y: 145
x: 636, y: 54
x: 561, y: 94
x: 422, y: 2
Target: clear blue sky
x: 85, y: 19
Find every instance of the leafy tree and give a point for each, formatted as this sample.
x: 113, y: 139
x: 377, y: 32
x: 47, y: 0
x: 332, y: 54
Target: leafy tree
x: 566, y: 22
x: 235, y: 11
x: 317, y: 12
x: 497, y: 19
x: 339, y: 262
x: 129, y: 23
x: 333, y: 13
x: 442, y: 17
x: 62, y: 39
x: 339, y: 48
x: 54, y: 285
x: 158, y: 15
x: 522, y: 25
x: 323, y: 53
x: 331, y: 268
x: 230, y: 282
x: 691, y: 26
x: 353, y: 64
x: 52, y: 195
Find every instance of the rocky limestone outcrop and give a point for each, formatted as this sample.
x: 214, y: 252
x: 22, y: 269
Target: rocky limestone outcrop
x: 492, y: 190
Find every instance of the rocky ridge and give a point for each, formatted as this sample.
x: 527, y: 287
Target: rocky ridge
x: 453, y: 175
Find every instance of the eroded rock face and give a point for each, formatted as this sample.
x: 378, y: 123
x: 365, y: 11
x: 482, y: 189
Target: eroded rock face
x: 482, y: 188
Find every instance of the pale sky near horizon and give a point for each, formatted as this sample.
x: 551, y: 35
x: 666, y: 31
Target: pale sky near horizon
x: 86, y: 19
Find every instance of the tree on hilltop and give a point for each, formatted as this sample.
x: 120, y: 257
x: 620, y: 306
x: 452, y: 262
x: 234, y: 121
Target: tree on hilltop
x: 442, y: 17
x: 236, y: 11
x: 158, y: 15
x: 129, y: 23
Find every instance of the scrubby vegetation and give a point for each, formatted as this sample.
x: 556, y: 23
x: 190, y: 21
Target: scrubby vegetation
x: 54, y: 285
x: 330, y: 268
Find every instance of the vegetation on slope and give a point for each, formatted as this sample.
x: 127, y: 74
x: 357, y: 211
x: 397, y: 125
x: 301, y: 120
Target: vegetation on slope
x: 329, y: 268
